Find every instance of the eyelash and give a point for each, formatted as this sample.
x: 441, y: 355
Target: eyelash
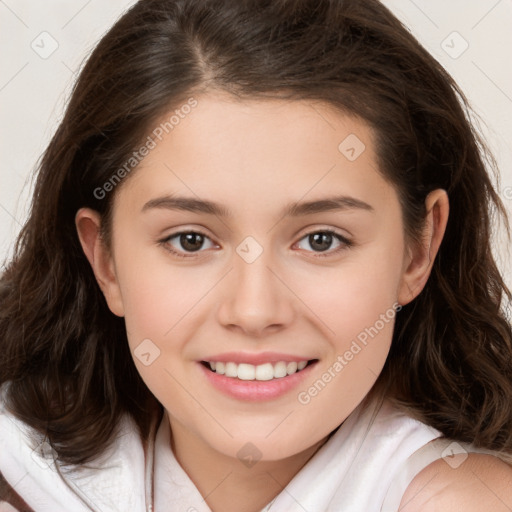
x: 346, y: 243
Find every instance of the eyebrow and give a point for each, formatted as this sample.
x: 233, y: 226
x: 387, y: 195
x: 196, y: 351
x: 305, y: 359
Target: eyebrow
x: 296, y: 209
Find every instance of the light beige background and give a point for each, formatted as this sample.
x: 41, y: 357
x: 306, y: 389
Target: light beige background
x: 34, y: 84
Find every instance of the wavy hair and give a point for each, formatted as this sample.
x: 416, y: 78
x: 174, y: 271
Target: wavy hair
x: 64, y: 357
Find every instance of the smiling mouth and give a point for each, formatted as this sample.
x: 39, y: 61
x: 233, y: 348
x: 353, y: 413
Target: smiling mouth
x: 261, y: 372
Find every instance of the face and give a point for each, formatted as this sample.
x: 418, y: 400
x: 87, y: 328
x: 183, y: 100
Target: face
x: 260, y: 237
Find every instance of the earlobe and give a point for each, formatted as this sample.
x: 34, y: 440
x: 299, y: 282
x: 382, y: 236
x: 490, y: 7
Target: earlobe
x: 88, y: 224
x: 420, y: 259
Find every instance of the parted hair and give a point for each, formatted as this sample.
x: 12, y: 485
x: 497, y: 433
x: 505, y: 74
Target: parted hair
x: 64, y: 357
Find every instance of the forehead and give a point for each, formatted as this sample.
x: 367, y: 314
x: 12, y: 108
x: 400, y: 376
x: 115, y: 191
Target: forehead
x: 222, y: 125
x: 254, y: 153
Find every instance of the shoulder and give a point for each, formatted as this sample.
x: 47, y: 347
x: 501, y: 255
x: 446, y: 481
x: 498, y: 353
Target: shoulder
x: 480, y: 482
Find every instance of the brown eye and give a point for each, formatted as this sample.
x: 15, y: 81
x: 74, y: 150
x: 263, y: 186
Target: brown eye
x: 191, y: 241
x: 187, y: 242
x: 320, y: 241
x: 323, y: 241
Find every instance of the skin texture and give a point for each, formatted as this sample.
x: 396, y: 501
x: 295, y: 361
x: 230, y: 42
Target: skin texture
x: 254, y: 158
x: 481, y: 482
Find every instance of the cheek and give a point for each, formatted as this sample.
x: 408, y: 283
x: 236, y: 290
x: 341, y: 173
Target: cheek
x: 156, y: 294
x: 363, y: 327
x: 356, y: 303
x: 352, y: 295
x: 160, y: 300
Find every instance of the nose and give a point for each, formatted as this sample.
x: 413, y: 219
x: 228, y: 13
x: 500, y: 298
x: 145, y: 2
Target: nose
x: 256, y: 301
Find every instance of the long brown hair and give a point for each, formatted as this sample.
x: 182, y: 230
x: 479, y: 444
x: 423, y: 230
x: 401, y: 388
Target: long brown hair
x: 65, y: 356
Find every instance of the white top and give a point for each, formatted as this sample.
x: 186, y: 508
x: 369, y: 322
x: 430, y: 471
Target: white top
x: 365, y: 466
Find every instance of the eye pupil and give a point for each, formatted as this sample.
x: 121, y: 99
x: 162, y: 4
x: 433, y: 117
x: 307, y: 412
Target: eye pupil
x: 191, y: 241
x: 320, y: 241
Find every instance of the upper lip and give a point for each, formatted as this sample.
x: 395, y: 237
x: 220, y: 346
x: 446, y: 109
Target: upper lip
x: 255, y: 359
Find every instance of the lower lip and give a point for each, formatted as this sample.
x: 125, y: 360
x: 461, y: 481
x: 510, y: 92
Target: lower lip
x: 256, y: 390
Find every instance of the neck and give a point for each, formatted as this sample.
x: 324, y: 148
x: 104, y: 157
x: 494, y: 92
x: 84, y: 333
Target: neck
x: 227, y: 484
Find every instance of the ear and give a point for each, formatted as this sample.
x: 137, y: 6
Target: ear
x: 88, y: 224
x: 420, y: 258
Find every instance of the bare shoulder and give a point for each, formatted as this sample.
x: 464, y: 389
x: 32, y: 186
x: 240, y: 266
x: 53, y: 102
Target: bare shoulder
x: 480, y: 482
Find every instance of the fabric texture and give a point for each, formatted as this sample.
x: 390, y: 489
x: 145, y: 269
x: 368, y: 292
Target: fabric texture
x: 365, y: 466
x: 10, y: 501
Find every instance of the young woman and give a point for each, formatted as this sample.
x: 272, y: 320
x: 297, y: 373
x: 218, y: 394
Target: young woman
x: 257, y: 275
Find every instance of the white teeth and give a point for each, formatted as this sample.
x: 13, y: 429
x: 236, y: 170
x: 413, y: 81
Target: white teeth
x: 291, y: 368
x: 280, y: 370
x: 245, y: 371
x: 266, y: 371
x: 231, y: 370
